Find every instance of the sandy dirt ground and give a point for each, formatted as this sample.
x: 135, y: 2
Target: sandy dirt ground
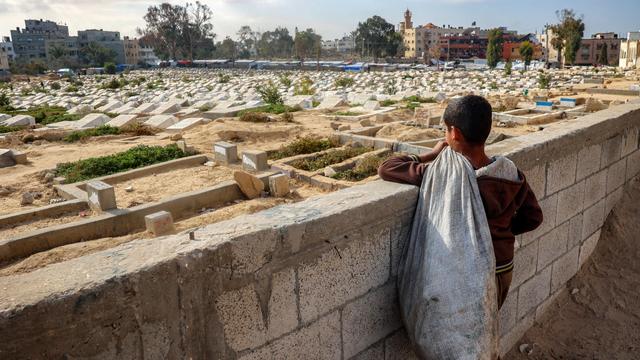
x: 21, y: 228
x: 597, y: 316
x: 408, y: 133
x: 300, y: 191
x: 158, y: 186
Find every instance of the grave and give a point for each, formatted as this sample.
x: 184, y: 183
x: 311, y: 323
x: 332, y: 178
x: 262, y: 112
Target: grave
x: 254, y: 160
x: 185, y: 124
x: 101, y: 196
x: 91, y: 121
x: 160, y: 223
x: 161, y: 121
x: 225, y: 153
x: 19, y: 120
x: 123, y: 120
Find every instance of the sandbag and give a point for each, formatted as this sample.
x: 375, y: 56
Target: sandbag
x: 446, y: 278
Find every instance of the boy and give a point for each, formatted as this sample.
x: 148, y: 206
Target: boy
x: 510, y: 204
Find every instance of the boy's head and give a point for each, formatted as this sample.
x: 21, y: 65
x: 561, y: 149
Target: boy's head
x: 468, y: 122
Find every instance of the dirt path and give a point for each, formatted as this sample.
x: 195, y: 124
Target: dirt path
x: 601, y: 319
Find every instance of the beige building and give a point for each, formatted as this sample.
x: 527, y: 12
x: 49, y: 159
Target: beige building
x: 4, y: 60
x: 549, y: 53
x: 629, y: 54
x: 131, y: 51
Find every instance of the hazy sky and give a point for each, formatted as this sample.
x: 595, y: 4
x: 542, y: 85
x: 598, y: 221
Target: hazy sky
x: 331, y: 18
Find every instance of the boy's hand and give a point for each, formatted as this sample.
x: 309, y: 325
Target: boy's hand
x: 441, y: 145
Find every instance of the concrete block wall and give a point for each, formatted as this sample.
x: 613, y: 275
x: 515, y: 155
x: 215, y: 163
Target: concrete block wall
x: 314, y: 279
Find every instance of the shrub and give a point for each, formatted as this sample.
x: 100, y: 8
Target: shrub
x: 419, y: 99
x: 285, y: 80
x: 114, y: 84
x: 305, y: 87
x: 55, y: 85
x: 344, y: 82
x: 304, y: 145
x: 139, y: 129
x: 204, y: 108
x: 507, y: 68
x: 270, y: 93
x: 5, y: 101
x: 45, y: 114
x: 330, y: 158
x: 99, y: 131
x: 255, y: 117
x: 109, y: 68
x: 347, y: 113
x: 223, y: 78
x: 544, y: 81
x: 8, y: 129
x: 493, y: 86
x: 71, y: 89
x: 133, y: 158
x: 386, y: 103
x: 365, y: 168
x: 390, y: 88
x: 287, y: 117
x: 315, y: 103
x: 271, y: 109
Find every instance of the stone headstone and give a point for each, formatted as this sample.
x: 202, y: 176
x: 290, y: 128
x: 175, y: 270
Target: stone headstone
x: 101, y: 196
x: 225, y: 152
x: 279, y: 185
x: 159, y: 223
x: 254, y: 160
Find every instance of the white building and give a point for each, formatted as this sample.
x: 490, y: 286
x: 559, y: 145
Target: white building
x: 7, y: 54
x: 345, y: 45
x: 146, y: 55
x: 629, y: 54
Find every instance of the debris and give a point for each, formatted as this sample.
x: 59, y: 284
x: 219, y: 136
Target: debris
x: 27, y: 199
x: 250, y: 185
x: 575, y: 291
x: 129, y: 188
x: 526, y: 349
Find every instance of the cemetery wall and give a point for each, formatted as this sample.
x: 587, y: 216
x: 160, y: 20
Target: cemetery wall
x: 314, y: 279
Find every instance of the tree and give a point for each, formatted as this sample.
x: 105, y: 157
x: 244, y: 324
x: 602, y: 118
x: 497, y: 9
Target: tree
x: 526, y: 52
x: 196, y: 28
x: 57, y: 53
x: 307, y: 43
x: 166, y: 23
x: 507, y: 67
x: 494, y: 48
x: 276, y: 44
x: 603, y: 57
x: 376, y: 37
x: 227, y: 49
x: 247, y: 41
x: 95, y: 54
x: 569, y: 32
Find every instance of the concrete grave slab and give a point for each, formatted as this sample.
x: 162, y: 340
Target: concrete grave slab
x: 19, y: 120
x: 123, y: 120
x: 161, y: 121
x: 91, y: 121
x: 185, y: 124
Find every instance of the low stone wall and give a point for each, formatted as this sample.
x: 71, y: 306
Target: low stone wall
x: 314, y: 279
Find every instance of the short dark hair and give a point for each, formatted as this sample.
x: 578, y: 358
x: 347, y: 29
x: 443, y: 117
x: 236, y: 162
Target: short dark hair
x: 471, y: 114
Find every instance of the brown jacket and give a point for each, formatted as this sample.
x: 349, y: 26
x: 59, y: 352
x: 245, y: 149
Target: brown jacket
x: 511, y: 206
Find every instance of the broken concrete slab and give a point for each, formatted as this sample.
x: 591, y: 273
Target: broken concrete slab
x: 279, y: 185
x: 249, y: 184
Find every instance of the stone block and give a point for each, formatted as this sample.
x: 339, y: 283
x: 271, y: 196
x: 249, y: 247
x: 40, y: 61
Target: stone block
x: 570, y: 202
x: 611, y: 150
x: 254, y: 160
x: 101, y: 196
x: 161, y: 121
x: 244, y: 321
x: 549, y: 208
x: 537, y: 179
x: 525, y: 262
x: 533, y: 292
x: 369, y: 319
x: 616, y: 175
x: 279, y: 185
x: 159, y: 223
x: 375, y: 352
x: 371, y: 105
x: 629, y: 141
x: 507, y: 315
x: 595, y: 188
x: 561, y: 173
x: 587, y: 248
x: 225, y: 152
x: 575, y: 231
x: 19, y: 157
x: 611, y: 201
x: 399, y: 237
x: 633, y: 165
x: 250, y: 185
x: 552, y: 245
x: 593, y: 218
x: 564, y: 268
x: 6, y: 158
x: 344, y: 273
x: 319, y: 340
x: 398, y: 347
x: 589, y: 161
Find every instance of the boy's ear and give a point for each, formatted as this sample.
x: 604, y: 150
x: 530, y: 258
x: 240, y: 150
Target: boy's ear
x: 457, y: 134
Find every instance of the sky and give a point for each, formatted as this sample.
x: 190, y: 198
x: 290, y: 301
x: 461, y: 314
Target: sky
x: 330, y: 18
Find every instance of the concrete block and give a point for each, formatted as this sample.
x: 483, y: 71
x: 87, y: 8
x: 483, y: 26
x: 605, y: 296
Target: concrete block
x: 533, y: 292
x: 225, y: 152
x: 611, y: 150
x: 185, y: 124
x: 123, y: 120
x: 593, y: 218
x: 525, y: 262
x: 161, y: 121
x: 6, y: 158
x: 507, y: 315
x: 279, y: 185
x: 537, y: 179
x: 575, y: 231
x: 589, y: 161
x: 561, y: 173
x: 398, y: 347
x: 110, y: 106
x: 542, y: 309
x: 616, y: 175
x: 319, y: 340
x: 549, y: 208
x: 91, y: 121
x: 160, y: 223
x: 243, y: 318
x: 254, y: 160
x: 399, y: 237
x: 611, y: 201
x: 166, y: 108
x: 101, y: 196
x: 564, y: 268
x: 19, y: 120
x: 250, y: 185
x: 552, y: 245
x: 633, y: 165
x: 369, y: 319
x: 629, y: 141
x: 595, y: 188
x: 587, y: 248
x: 145, y: 108
x: 19, y: 157
x: 375, y: 352
x: 570, y: 202
x: 344, y: 273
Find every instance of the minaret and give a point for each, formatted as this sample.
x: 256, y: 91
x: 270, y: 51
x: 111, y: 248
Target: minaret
x: 407, y: 20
